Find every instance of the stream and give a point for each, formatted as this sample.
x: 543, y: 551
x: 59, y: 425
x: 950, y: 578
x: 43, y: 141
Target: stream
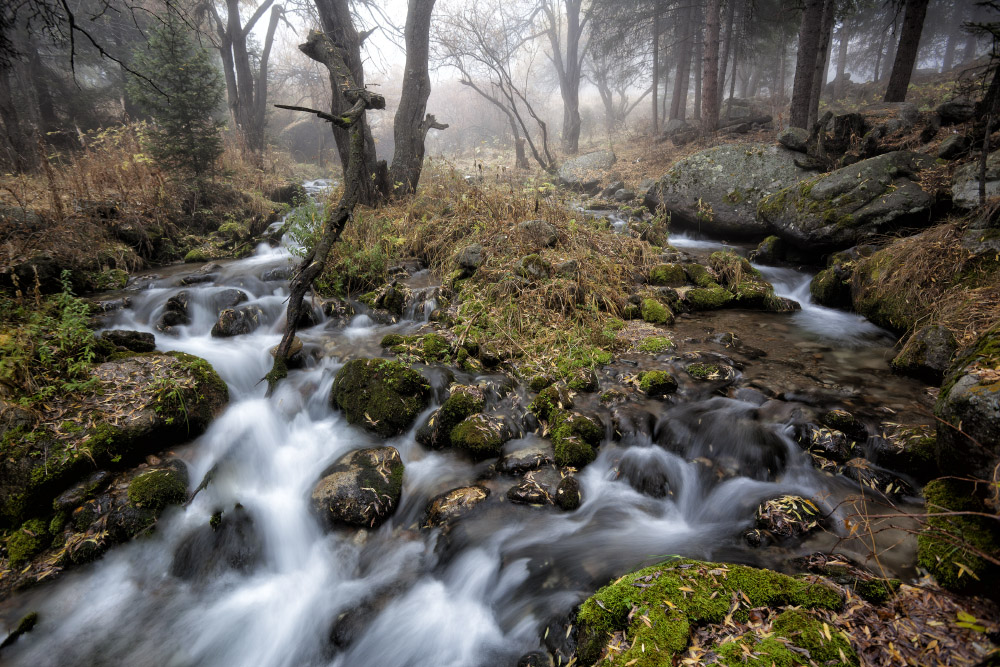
x: 485, y: 593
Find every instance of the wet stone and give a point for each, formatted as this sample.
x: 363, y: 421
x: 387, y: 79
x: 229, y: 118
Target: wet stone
x: 784, y: 518
x: 568, y: 494
x: 280, y: 273
x: 877, y: 479
x: 527, y: 458
x: 530, y: 492
x: 238, y: 321
x: 229, y: 298
x: 828, y: 443
x: 175, y: 313
x: 135, y: 341
x: 361, y: 489
x: 449, y: 506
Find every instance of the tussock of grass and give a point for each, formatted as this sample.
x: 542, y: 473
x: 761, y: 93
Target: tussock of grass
x: 929, y: 278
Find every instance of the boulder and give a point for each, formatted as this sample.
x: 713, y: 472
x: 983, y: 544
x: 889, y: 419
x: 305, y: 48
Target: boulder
x: 291, y: 193
x: 229, y: 298
x: 361, y: 489
x: 464, y: 401
x: 585, y: 172
x: 770, y: 251
x: 446, y: 508
x: 968, y: 410
x: 965, y: 182
x: 526, y: 459
x: 135, y: 341
x: 237, y: 321
x: 609, y: 192
x: 927, y: 354
x: 382, y: 396
x: 338, y: 311
x: 854, y: 203
x: 794, y: 138
x: 784, y: 518
x: 717, y: 190
x: 957, y: 111
x: 470, y: 258
x: 568, y: 495
x: 480, y: 436
x: 530, y: 491
x: 229, y: 542
x: 175, y: 313
x: 876, y: 479
x: 953, y: 146
x: 537, y: 234
x: 532, y: 267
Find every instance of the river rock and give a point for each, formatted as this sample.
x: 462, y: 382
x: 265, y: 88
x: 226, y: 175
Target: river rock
x: 339, y: 312
x: 480, y: 436
x: 276, y: 274
x: 229, y: 298
x: 645, y: 470
x: 382, y: 396
x: 794, y: 138
x: 237, y: 321
x: 828, y: 443
x: 968, y: 410
x: 175, y: 313
x: 527, y: 458
x: 446, y: 508
x: 585, y: 172
x: 535, y: 489
x: 135, y: 341
x: 463, y: 401
x: 770, y: 251
x: 865, y: 473
x: 361, y: 489
x: 717, y: 190
x: 230, y: 541
x: 390, y: 298
x: 965, y: 182
x: 537, y: 234
x: 784, y: 518
x: 470, y: 258
x: 852, y: 204
x: 956, y: 111
x: 927, y: 354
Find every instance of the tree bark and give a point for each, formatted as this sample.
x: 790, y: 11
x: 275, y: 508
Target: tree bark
x: 906, y: 52
x: 678, y: 102
x: 656, y: 67
x: 410, y: 126
x: 727, y: 45
x: 697, y: 60
x: 805, y: 62
x: 569, y: 66
x: 843, y: 39
x: 710, y: 69
x: 822, y: 60
x: 322, y: 49
x: 335, y: 18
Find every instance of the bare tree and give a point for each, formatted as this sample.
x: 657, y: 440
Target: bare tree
x: 485, y: 42
x: 906, y: 52
x: 245, y: 89
x: 710, y: 85
x: 569, y: 65
x: 805, y: 63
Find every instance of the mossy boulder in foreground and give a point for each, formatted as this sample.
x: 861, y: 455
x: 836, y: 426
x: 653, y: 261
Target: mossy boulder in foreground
x: 381, y: 395
x: 361, y: 489
x: 927, y: 354
x: 656, y: 609
x: 968, y: 410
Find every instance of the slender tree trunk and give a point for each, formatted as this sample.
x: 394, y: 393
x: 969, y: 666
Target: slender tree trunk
x: 732, y: 85
x: 843, y: 39
x: 335, y: 17
x: 727, y: 45
x: 568, y: 67
x: 782, y: 71
x: 906, y: 53
x: 520, y: 158
x: 805, y: 63
x: 822, y: 60
x: 656, y: 67
x: 710, y: 80
x: 410, y: 126
x: 678, y: 103
x: 697, y: 61
x: 890, y: 54
x: 954, y: 33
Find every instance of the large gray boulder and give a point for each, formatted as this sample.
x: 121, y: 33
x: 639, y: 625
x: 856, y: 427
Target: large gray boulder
x: 927, y: 354
x: 717, y: 190
x: 585, y: 172
x: 846, y: 206
x: 968, y: 411
x: 965, y: 182
x: 361, y: 489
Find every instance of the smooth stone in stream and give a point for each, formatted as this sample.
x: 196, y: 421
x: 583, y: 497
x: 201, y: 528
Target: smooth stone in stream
x: 135, y: 341
x: 449, y: 506
x: 361, y: 489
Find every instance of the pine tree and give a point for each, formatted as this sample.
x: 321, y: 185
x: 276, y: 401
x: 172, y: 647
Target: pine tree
x: 183, y: 92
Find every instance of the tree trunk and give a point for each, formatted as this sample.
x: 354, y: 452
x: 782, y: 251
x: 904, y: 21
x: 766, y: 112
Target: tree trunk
x: 410, y: 126
x: 822, y: 60
x: 568, y: 67
x: 906, y: 53
x: 335, y: 17
x: 782, y: 73
x: 678, y: 102
x: 843, y: 39
x: 954, y: 33
x: 656, y: 67
x: 710, y: 69
x: 697, y: 61
x: 18, y: 143
x: 890, y: 53
x: 520, y: 158
x: 727, y: 45
x: 810, y: 28
x: 320, y: 48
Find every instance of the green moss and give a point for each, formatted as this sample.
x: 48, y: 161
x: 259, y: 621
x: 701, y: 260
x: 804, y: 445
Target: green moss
x: 196, y: 255
x: 655, y: 312
x: 877, y: 591
x: 27, y: 542
x: 655, y: 344
x: 829, y: 289
x: 24, y: 626
x: 381, y: 395
x: 549, y: 401
x: 157, y: 489
x: 479, y: 436
x: 698, y: 593
x: 709, y: 299
x: 946, y: 546
x: 671, y: 275
x: 752, y: 651
x: 806, y: 631
x: 109, y: 279
x: 424, y: 348
x: 574, y: 438
x: 701, y: 371
x: 391, y: 340
x: 700, y: 276
x: 657, y: 383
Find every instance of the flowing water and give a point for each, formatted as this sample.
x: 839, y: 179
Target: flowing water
x: 398, y: 595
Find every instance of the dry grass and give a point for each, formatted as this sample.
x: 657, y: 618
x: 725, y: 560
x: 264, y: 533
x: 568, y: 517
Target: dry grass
x: 930, y: 278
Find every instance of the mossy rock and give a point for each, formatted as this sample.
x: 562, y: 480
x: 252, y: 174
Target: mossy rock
x: 426, y: 348
x: 480, y: 436
x: 770, y: 251
x: 550, y: 400
x: 463, y: 401
x: 27, y: 542
x: 700, y: 276
x: 383, y: 396
x: 954, y: 566
x: 671, y: 275
x: 655, y: 312
x: 360, y: 489
x: 656, y: 344
x: 156, y: 489
x: 830, y: 287
x: 702, y: 371
x: 657, y: 383
x: 807, y: 632
x: 574, y: 438
x: 698, y: 593
x: 109, y: 279
x: 927, y: 354
x: 196, y: 255
x: 711, y: 298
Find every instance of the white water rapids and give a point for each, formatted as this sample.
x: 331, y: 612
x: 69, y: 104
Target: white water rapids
x: 399, y: 595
